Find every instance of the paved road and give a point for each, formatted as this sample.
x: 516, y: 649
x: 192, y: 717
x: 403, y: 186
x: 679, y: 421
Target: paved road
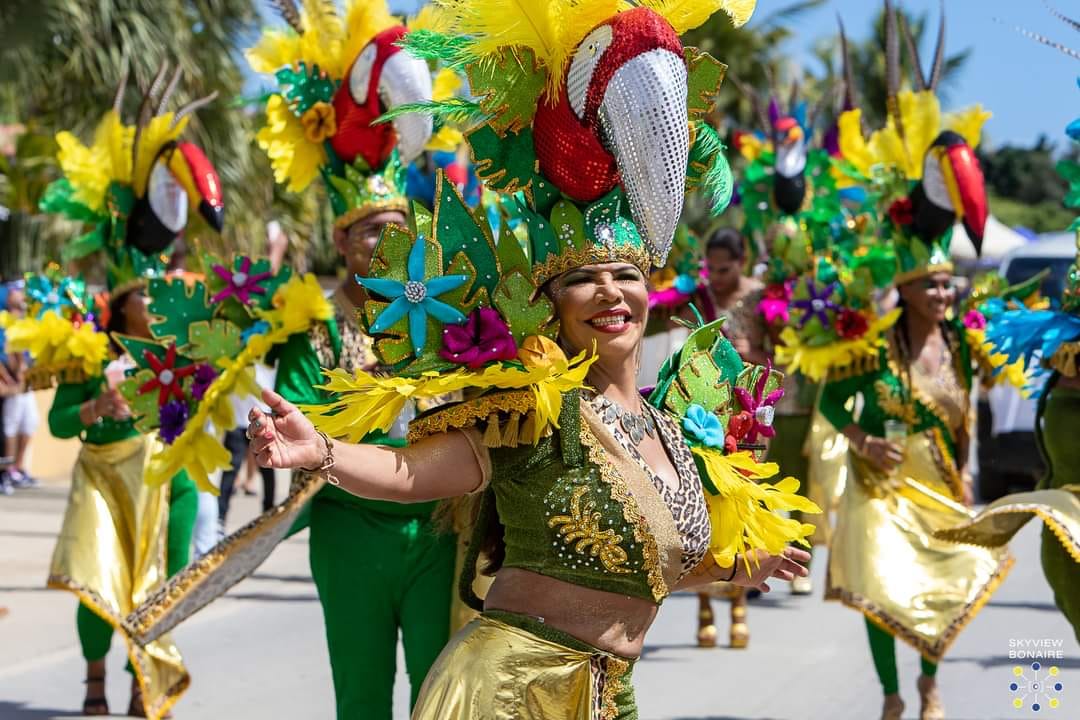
x: 260, y: 652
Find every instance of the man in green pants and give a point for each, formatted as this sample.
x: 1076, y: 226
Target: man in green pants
x: 378, y: 566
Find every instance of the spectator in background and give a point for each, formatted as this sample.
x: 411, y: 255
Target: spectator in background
x: 20, y: 414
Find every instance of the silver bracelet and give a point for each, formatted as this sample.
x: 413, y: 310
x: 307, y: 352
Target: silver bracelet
x: 328, y: 461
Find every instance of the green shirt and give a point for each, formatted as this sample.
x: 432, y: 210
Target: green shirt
x: 299, y: 371
x: 64, y: 421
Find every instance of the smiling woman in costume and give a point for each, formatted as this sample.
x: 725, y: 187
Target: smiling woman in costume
x: 594, y: 505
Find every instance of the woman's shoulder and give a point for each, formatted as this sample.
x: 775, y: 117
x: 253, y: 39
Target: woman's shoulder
x: 505, y: 418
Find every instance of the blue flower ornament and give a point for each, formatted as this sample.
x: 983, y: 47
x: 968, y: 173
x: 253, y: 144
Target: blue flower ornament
x: 415, y: 298
x: 703, y: 426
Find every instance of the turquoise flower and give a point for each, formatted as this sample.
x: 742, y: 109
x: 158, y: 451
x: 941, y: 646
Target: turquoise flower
x: 703, y: 427
x: 415, y: 298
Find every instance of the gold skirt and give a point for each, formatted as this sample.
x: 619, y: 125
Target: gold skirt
x: 111, y: 554
x: 827, y: 472
x: 886, y: 562
x: 492, y: 670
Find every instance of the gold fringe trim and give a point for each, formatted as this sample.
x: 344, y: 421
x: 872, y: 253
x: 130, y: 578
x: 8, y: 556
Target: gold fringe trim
x: 96, y: 604
x: 922, y: 272
x: 43, y: 377
x: 567, y: 260
x: 1066, y: 360
x: 492, y: 408
x: 960, y: 534
x: 150, y: 612
x: 931, y: 651
x: 859, y: 366
x: 355, y: 215
x: 620, y: 493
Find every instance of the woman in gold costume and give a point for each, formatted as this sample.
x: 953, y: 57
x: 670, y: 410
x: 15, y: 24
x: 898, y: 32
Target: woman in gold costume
x: 121, y: 538
x: 594, y: 505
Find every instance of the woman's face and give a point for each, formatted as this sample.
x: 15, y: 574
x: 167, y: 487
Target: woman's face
x: 604, y: 304
x: 929, y: 297
x: 136, y: 315
x: 724, y: 271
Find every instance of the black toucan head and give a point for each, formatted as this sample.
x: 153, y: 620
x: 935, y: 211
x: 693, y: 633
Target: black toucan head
x: 952, y: 188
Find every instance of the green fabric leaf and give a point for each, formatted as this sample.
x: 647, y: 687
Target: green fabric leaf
x: 569, y: 224
x: 303, y: 87
x: 525, y: 316
x: 458, y: 232
x: 704, y: 76
x: 509, y: 86
x: 504, y: 163
x: 174, y: 307
x: 143, y: 406
x: 59, y: 200
x: 214, y: 339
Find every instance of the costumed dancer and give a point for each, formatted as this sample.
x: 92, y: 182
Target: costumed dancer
x: 1047, y: 343
x: 121, y: 537
x: 909, y: 442
x: 592, y: 503
x: 378, y: 566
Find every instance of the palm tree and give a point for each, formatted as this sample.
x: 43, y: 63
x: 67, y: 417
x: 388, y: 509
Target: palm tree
x: 867, y: 59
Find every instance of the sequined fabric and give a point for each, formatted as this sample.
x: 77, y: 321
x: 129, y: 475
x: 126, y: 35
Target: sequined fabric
x: 492, y: 670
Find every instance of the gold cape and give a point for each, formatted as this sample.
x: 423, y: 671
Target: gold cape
x: 998, y: 522
x: 827, y: 474
x: 111, y: 554
x: 230, y: 561
x: 886, y: 562
x: 493, y: 671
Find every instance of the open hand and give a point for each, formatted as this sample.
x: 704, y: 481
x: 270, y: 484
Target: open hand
x: 285, y: 439
x: 882, y: 454
x: 763, y: 567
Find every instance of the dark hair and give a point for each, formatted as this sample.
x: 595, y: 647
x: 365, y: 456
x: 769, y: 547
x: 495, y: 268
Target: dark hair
x: 118, y: 316
x: 728, y: 239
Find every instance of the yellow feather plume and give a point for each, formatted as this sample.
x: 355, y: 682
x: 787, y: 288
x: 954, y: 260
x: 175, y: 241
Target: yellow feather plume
x: 552, y: 29
x: 364, y: 19
x: 294, y: 158
x: 816, y: 361
x: 276, y: 49
x: 688, y: 14
x: 91, y: 169
x: 744, y: 513
x: 430, y: 17
x: 367, y: 403
x: 922, y: 119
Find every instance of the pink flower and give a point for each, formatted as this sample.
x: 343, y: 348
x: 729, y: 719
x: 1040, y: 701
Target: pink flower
x: 483, y: 338
x: 775, y: 304
x: 975, y: 320
x: 761, y: 409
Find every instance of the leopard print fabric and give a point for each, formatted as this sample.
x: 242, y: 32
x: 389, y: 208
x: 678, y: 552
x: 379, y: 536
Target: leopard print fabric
x: 687, y: 502
x: 357, y: 349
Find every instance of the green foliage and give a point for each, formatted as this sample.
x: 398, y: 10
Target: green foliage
x: 214, y: 339
x: 1038, y: 217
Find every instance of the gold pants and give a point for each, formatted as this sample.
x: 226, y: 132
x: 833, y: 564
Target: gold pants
x: 111, y: 554
x: 492, y: 670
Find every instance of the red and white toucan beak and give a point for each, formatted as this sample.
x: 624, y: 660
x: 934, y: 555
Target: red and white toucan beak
x: 621, y: 117
x: 200, y: 182
x: 382, y: 78
x: 953, y: 180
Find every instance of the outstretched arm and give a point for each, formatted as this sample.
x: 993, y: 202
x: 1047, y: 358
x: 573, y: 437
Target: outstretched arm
x: 438, y: 467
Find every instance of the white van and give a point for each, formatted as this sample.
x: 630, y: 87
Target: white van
x: 1007, y: 455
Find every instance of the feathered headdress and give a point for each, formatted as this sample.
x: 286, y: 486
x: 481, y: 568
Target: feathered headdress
x: 134, y: 184
x: 337, y: 74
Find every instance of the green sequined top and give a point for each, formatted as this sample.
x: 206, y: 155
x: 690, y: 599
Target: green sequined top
x: 64, y: 421
x: 893, y: 392
x: 582, y: 506
x: 300, y: 361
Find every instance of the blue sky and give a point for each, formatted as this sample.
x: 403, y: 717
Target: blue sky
x: 1030, y: 88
